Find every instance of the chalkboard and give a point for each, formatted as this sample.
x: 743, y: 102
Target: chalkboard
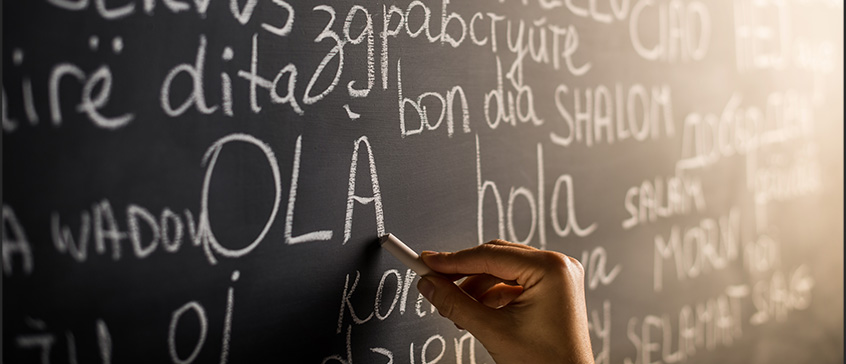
x: 204, y: 181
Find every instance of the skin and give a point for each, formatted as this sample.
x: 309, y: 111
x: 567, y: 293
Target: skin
x: 523, y: 304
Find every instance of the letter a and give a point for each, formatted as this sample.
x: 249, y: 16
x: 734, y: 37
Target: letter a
x: 17, y: 245
x: 352, y: 198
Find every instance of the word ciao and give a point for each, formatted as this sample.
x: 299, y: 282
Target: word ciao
x: 682, y: 28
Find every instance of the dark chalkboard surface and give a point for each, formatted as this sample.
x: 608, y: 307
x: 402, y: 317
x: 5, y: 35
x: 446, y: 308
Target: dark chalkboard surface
x: 204, y: 181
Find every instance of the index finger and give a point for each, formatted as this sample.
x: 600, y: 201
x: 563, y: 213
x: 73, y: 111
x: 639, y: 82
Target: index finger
x: 502, y: 261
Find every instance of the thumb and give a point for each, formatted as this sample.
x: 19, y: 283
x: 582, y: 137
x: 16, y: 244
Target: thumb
x: 456, y: 305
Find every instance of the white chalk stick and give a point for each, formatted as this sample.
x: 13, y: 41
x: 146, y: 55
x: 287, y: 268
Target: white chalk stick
x: 405, y: 255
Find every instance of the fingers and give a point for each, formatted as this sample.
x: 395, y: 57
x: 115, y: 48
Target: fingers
x: 497, y: 259
x: 500, y: 295
x: 456, y: 305
x: 508, y: 243
x: 457, y: 276
x: 477, y: 285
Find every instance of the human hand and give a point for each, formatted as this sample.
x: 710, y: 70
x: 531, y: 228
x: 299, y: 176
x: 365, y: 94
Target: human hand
x: 523, y: 304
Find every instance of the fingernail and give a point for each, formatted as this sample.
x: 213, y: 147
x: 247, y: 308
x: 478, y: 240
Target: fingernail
x: 426, y: 288
x: 429, y: 256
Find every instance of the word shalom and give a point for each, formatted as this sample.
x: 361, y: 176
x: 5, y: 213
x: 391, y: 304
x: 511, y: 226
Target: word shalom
x: 600, y: 115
